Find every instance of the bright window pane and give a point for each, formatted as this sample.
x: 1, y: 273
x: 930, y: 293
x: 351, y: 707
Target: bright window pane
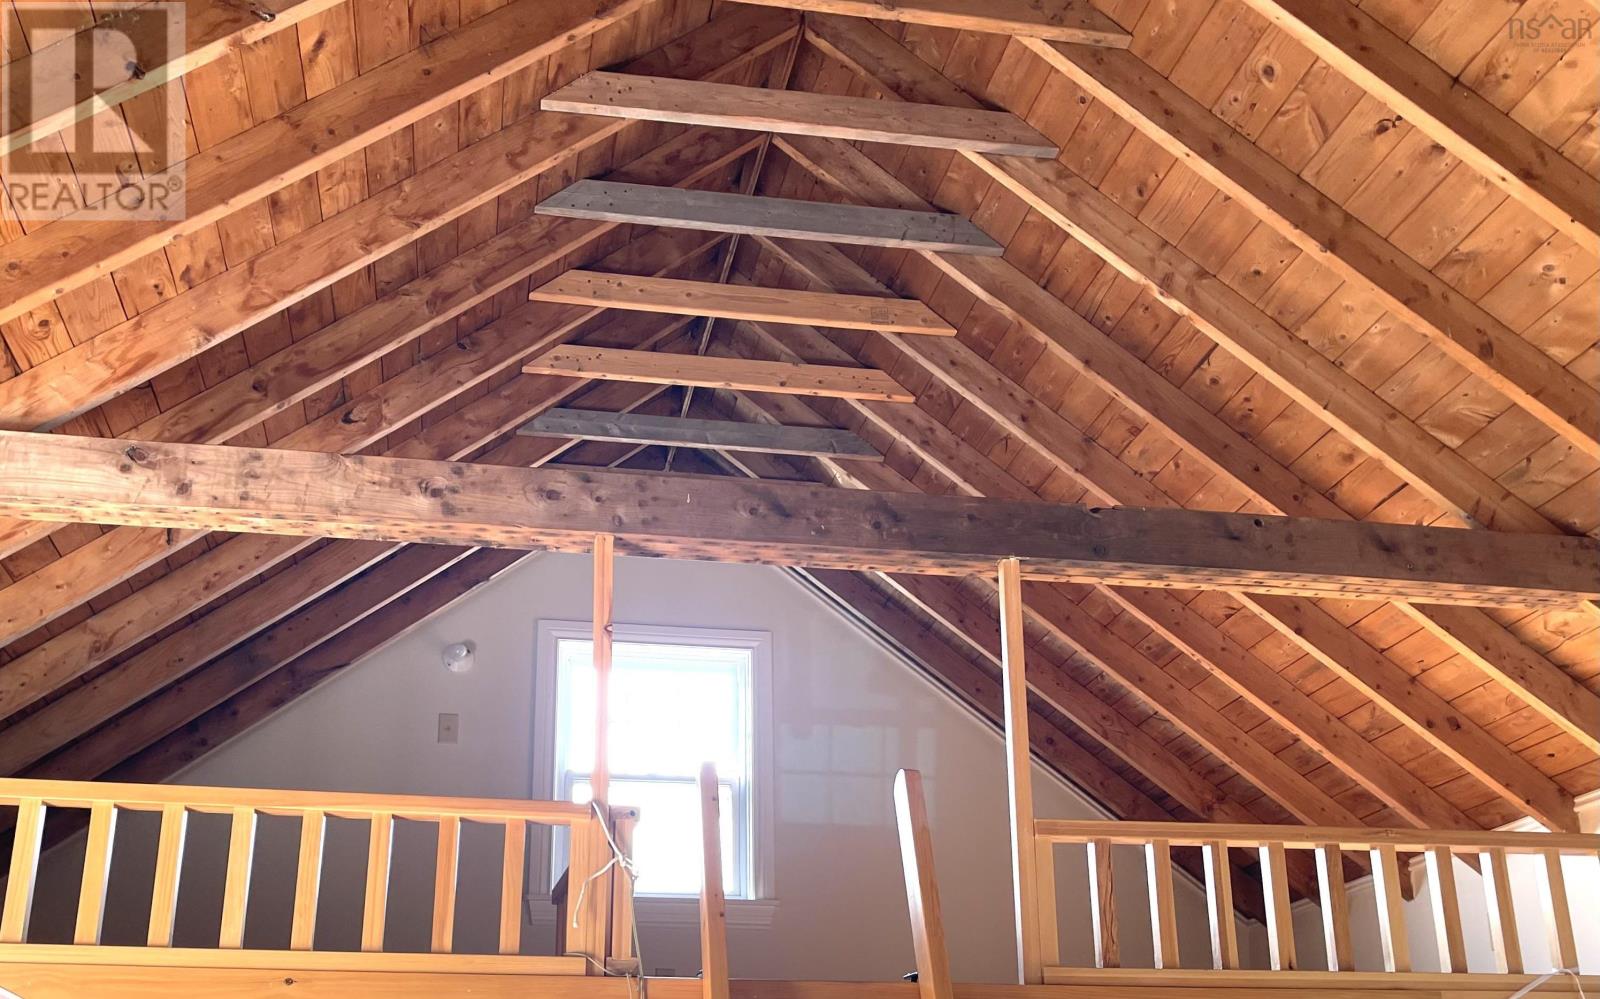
x: 666, y: 843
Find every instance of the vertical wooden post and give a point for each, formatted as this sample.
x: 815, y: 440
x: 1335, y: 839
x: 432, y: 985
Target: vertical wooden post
x: 1280, y: 920
x: 375, y: 907
x: 600, y: 779
x: 1103, y: 904
x: 236, y: 887
x: 96, y: 867
x: 1335, y: 908
x: 1391, y: 909
x: 1049, y: 918
x: 169, y: 863
x: 1163, y: 907
x: 1219, y: 904
x: 25, y: 844
x: 623, y: 821
x: 512, y: 864
x: 1024, y: 876
x: 1558, y: 913
x: 922, y: 890
x: 713, y: 903
x: 446, y: 865
x: 588, y: 900
x: 1504, y: 940
x: 1446, y: 910
x: 307, y: 881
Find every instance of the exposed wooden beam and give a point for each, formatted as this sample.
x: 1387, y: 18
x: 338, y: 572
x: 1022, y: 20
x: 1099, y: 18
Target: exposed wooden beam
x: 750, y: 215
x: 704, y: 298
x: 181, y: 327
x: 856, y: 119
x: 1450, y: 113
x: 94, y: 480
x: 1063, y: 20
x: 1467, y: 333
x: 47, y: 89
x: 247, y: 167
x: 718, y: 372
x: 673, y: 431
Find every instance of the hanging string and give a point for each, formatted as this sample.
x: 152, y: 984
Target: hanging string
x: 1547, y: 976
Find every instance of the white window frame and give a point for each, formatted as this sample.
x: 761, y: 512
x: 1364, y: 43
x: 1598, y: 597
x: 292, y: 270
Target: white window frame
x: 757, y: 838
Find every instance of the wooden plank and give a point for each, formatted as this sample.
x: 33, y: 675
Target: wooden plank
x: 1063, y: 20
x: 1392, y: 935
x: 1103, y: 904
x: 26, y: 838
x: 307, y: 880
x: 236, y: 884
x: 96, y: 867
x: 1309, y: 837
x: 623, y: 823
x: 169, y: 864
x: 724, y: 301
x: 1049, y: 916
x: 609, y: 364
x: 1504, y: 941
x: 1163, y: 908
x: 446, y: 865
x: 1280, y: 918
x: 601, y: 634
x: 1219, y: 907
x: 713, y: 903
x: 640, y: 428
x: 375, y: 904
x: 82, y: 479
x: 1334, y: 903
x: 1019, y: 775
x: 1558, y: 913
x: 856, y: 119
x: 1446, y: 909
x: 210, y: 29
x: 1452, y: 114
x: 922, y: 888
x: 512, y: 886
x: 609, y: 201
x: 1468, y: 334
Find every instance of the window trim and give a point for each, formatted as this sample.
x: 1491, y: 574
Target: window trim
x: 543, y: 736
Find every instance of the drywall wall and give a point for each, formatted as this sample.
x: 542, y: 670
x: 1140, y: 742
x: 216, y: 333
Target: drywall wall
x: 846, y: 714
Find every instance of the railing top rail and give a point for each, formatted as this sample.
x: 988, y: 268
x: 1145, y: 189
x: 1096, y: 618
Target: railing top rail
x: 152, y: 797
x: 1308, y: 837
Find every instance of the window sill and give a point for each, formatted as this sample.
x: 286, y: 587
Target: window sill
x: 742, y: 913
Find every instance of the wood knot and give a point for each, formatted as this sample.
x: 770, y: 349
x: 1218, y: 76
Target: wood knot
x: 137, y: 454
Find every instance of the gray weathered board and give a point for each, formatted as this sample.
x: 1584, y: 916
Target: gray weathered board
x: 722, y: 435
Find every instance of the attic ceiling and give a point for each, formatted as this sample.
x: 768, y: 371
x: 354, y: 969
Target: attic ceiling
x: 1248, y: 283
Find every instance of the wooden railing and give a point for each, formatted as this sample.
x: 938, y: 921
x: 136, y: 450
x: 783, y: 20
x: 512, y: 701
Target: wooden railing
x: 1272, y: 845
x: 589, y: 938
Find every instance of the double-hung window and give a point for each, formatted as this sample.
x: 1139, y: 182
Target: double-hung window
x: 679, y: 697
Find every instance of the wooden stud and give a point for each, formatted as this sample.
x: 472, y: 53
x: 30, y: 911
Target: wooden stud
x: 623, y: 823
x: 1019, y: 774
x: 1391, y: 909
x: 1163, y: 908
x: 855, y: 119
x: 1446, y: 909
x: 1558, y: 913
x: 1335, y: 908
x: 602, y: 635
x: 713, y: 904
x: 1504, y: 941
x: 1219, y: 906
x: 236, y: 884
x: 740, y: 301
x: 26, y: 838
x: 308, y: 880
x: 1280, y: 919
x: 513, y: 865
x: 446, y: 864
x: 1103, y: 904
x: 922, y: 888
x: 720, y: 435
x: 169, y: 865
x: 610, y: 201
x: 375, y: 905
x: 608, y: 364
x: 96, y: 867
x: 1061, y: 20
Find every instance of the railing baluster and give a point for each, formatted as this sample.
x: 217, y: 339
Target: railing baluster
x: 922, y: 889
x: 1163, y: 910
x: 1391, y: 909
x: 1103, y: 905
x: 713, y: 903
x: 96, y: 867
x: 1446, y: 910
x: 307, y: 881
x: 169, y: 864
x: 1558, y: 913
x: 25, y: 842
x: 375, y: 907
x: 446, y: 863
x: 1219, y: 906
x: 511, y: 868
x: 1504, y: 941
x: 1049, y: 924
x: 1335, y: 908
x: 1280, y: 921
x: 236, y: 889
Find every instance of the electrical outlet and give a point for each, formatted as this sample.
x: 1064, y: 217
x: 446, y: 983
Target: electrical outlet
x: 449, y: 728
